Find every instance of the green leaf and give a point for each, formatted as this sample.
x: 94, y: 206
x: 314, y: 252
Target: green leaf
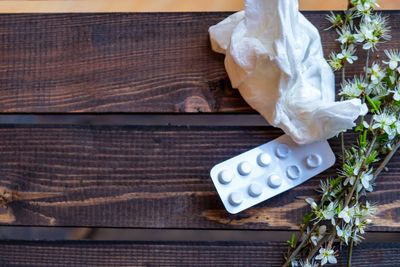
x: 374, y: 103
x: 383, y: 139
x: 307, y: 218
x: 359, y: 128
x: 335, y: 182
x: 363, y: 139
x: 293, y: 241
x: 339, y: 208
x: 372, y: 158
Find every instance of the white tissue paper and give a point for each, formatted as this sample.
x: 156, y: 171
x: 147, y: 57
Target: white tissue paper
x: 274, y: 57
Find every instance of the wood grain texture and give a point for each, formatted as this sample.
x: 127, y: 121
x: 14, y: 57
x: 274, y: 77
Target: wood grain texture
x: 122, y: 63
x: 174, y: 254
x: 151, y: 177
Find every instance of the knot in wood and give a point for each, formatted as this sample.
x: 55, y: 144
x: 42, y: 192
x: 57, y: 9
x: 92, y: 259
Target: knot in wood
x: 6, y: 196
x: 195, y: 104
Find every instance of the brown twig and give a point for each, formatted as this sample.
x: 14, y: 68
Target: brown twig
x: 386, y: 160
x: 350, y: 254
x: 299, y: 247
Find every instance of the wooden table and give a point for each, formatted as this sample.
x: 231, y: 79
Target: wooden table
x: 124, y: 115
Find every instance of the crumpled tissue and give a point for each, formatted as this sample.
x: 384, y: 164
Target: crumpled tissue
x: 274, y: 57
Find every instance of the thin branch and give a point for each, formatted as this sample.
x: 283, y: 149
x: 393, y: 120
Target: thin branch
x: 342, y: 133
x: 329, y: 237
x: 387, y: 160
x: 367, y: 62
x: 299, y: 247
x: 350, y: 252
x: 369, y: 151
x: 317, y: 247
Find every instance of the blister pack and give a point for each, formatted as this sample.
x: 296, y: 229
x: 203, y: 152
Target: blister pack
x: 269, y: 170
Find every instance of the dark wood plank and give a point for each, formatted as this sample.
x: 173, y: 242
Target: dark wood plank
x: 122, y: 63
x: 152, y: 177
x: 174, y: 254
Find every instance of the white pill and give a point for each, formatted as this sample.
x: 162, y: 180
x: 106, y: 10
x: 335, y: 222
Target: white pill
x: 245, y: 168
x: 293, y: 172
x: 226, y: 176
x: 264, y: 160
x: 314, y: 161
x: 282, y: 151
x: 255, y: 190
x: 235, y: 199
x: 274, y: 181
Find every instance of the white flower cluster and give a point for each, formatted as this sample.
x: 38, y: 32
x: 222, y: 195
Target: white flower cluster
x: 341, y: 213
x: 394, y: 59
x: 380, y: 83
x: 388, y: 123
x: 372, y: 30
x: 365, y: 6
x: 349, y: 223
x: 326, y: 256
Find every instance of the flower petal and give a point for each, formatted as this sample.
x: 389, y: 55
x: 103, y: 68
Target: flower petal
x: 393, y: 64
x: 332, y: 259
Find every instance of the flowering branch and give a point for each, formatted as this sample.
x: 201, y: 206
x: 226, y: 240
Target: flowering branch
x: 342, y: 211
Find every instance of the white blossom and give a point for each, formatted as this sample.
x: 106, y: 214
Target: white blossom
x: 344, y: 233
x: 350, y: 180
x: 329, y: 212
x: 394, y: 58
x: 396, y: 93
x: 312, y: 203
x: 347, y: 214
x: 361, y: 227
x: 377, y: 74
x: 398, y: 127
x: 366, y: 179
x: 350, y: 90
x: 324, y: 185
x: 354, y: 88
x: 368, y: 210
x: 372, y: 31
x: 335, y: 19
x: 326, y: 256
x: 378, y: 89
x: 380, y: 25
x: 335, y: 62
x: 348, y: 54
x: 362, y: 216
x: 366, y: 34
x: 365, y: 6
x: 387, y: 123
x: 346, y: 36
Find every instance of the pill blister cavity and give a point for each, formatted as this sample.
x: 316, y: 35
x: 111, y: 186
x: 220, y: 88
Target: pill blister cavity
x: 264, y: 160
x: 282, y: 151
x: 293, y: 172
x: 274, y: 181
x: 255, y: 190
x: 235, y: 199
x: 245, y: 168
x: 226, y: 176
x: 314, y: 161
